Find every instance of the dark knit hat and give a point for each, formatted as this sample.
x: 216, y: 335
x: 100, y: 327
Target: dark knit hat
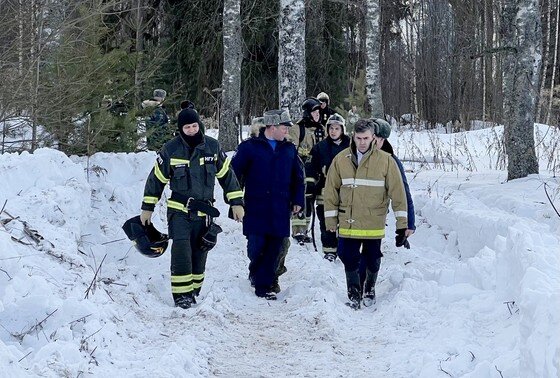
x: 187, y: 116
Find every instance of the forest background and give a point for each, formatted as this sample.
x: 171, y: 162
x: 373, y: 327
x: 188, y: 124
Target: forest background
x: 76, y: 71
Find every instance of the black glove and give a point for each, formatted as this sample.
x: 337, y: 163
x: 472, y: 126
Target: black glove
x: 400, y: 239
x: 209, y: 239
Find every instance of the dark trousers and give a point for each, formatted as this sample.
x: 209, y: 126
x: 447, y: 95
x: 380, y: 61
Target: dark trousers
x: 349, y: 254
x: 188, y: 262
x: 328, y: 238
x: 263, y: 252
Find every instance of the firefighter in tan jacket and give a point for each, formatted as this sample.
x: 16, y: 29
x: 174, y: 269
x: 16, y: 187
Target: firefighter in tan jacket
x: 360, y: 182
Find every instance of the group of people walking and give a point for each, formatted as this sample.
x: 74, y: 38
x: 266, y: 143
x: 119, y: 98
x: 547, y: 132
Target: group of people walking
x: 280, y: 175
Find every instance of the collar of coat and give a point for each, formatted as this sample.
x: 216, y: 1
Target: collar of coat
x: 262, y: 138
x: 354, y: 154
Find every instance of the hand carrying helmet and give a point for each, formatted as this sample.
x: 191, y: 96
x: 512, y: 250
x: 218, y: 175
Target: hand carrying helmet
x: 147, y: 239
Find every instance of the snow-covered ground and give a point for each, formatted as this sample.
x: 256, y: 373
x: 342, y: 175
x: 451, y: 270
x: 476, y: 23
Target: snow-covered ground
x: 477, y: 295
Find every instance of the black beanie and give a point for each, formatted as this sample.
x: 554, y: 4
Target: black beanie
x: 187, y: 116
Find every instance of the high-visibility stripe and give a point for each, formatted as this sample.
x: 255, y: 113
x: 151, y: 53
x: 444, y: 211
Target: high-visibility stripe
x: 319, y: 202
x: 363, y: 182
x: 299, y: 222
x: 319, y: 197
x: 182, y: 289
x: 233, y: 195
x: 329, y: 249
x: 310, y: 179
x: 198, y: 277
x: 362, y: 233
x: 175, y: 161
x: 160, y: 175
x: 403, y: 214
x: 179, y: 206
x: 182, y: 278
x: 224, y: 169
x: 150, y: 200
x: 331, y: 213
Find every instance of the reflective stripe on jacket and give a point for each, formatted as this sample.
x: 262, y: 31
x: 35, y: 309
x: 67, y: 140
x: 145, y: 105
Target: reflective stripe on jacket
x: 357, y: 196
x: 191, y: 173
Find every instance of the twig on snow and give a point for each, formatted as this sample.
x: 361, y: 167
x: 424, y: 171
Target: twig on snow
x: 9, y: 277
x: 550, y: 200
x: 92, y: 284
x: 499, y: 371
x: 21, y: 359
x: 440, y: 368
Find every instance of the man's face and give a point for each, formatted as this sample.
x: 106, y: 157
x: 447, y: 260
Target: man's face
x: 378, y: 141
x: 335, y: 131
x: 323, y: 104
x: 363, y: 140
x: 315, y: 115
x: 279, y: 132
x: 191, y: 128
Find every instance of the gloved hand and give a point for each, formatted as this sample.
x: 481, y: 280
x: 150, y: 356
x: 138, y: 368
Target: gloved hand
x: 146, y: 217
x: 210, y: 237
x: 400, y: 239
x: 238, y: 212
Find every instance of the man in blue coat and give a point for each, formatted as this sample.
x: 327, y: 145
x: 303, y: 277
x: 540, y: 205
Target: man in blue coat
x: 269, y: 169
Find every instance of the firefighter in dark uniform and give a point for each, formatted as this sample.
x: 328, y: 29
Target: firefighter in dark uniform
x: 322, y: 156
x: 190, y: 163
x: 325, y: 110
x: 305, y: 135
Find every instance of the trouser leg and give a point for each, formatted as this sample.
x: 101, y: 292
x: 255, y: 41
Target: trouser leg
x: 349, y: 254
x: 370, y: 263
x: 328, y: 238
x: 282, y: 258
x: 264, y: 254
x: 187, y: 261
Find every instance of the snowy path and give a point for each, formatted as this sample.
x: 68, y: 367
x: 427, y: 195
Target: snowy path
x: 440, y: 309
x: 436, y: 312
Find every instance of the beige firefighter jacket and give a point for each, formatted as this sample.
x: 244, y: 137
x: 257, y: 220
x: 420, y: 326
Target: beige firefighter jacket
x: 357, y: 196
x: 307, y: 142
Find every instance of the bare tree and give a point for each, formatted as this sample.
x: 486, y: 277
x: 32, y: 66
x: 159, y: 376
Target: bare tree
x: 521, y: 35
x: 373, y: 82
x: 291, y: 55
x: 231, y: 77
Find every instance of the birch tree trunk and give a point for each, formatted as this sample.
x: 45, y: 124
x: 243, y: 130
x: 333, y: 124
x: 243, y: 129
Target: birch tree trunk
x: 291, y: 56
x: 551, y: 94
x: 231, y: 77
x: 373, y: 81
x: 521, y: 32
x: 545, y: 61
x: 139, y: 49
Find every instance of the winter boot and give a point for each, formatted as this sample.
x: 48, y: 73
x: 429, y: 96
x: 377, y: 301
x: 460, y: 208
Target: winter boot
x: 330, y: 256
x: 354, y: 292
x: 354, y: 297
x: 268, y: 295
x: 184, y: 301
x: 369, y: 288
x: 275, y: 287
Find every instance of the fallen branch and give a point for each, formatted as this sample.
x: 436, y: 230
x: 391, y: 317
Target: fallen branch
x: 21, y: 359
x: 92, y: 284
x: 550, y: 200
x: 499, y: 371
x: 36, y: 327
x: 9, y: 277
x: 113, y: 241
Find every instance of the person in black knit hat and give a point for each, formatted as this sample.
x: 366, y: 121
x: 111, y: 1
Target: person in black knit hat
x: 190, y: 164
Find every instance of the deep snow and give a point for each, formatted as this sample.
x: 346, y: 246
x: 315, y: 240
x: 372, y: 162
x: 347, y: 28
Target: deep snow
x: 477, y: 295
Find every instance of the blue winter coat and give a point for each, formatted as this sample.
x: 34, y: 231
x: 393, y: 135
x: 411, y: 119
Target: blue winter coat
x: 273, y: 181
x: 387, y: 147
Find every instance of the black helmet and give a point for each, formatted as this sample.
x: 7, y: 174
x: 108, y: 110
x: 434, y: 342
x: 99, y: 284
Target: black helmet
x: 147, y: 239
x: 310, y: 104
